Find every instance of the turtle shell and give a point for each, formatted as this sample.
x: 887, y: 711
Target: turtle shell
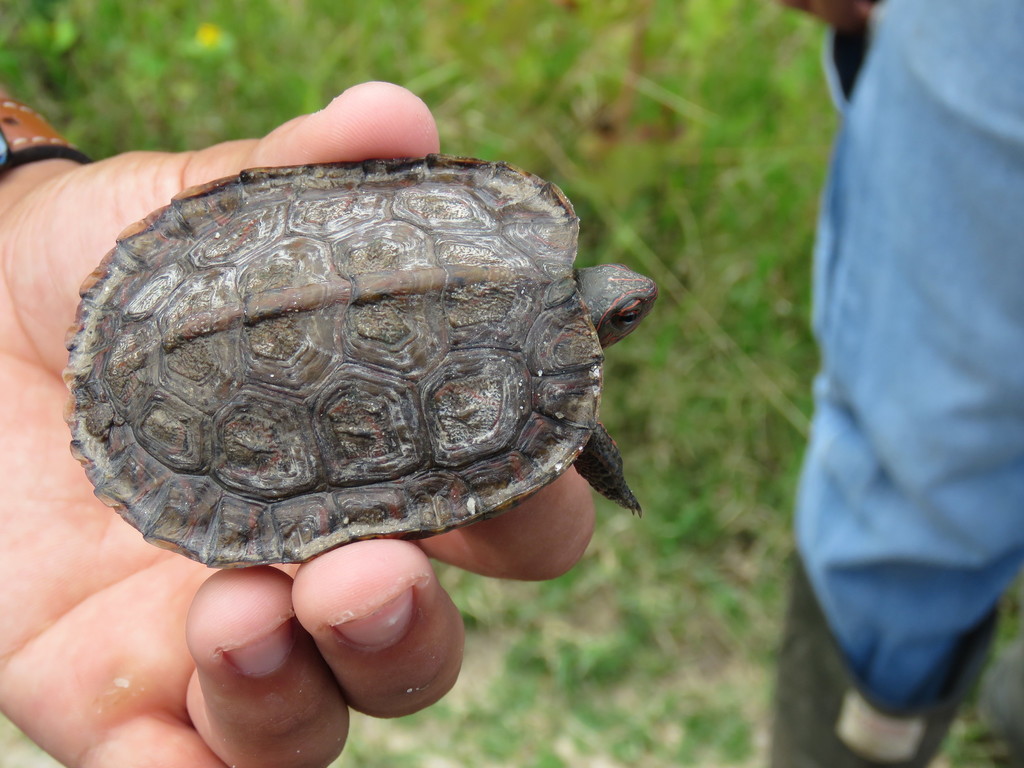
x: 288, y: 360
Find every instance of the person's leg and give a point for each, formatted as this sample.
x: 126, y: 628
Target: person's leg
x: 823, y: 719
x: 909, y: 519
x: 1002, y: 700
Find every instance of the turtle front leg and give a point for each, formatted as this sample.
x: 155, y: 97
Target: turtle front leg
x: 600, y: 464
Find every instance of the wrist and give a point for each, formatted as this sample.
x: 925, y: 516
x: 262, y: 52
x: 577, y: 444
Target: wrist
x: 26, y: 136
x: 31, y: 151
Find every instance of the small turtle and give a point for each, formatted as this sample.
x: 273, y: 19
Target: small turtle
x: 292, y: 359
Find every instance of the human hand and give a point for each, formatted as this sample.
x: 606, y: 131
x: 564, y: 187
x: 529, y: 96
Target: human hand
x: 116, y: 653
x: 844, y: 15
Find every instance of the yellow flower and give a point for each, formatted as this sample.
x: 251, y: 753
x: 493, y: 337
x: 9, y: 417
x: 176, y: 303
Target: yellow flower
x: 209, y: 36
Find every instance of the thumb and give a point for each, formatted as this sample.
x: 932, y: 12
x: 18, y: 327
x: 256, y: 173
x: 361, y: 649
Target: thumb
x: 57, y: 232
x: 367, y: 121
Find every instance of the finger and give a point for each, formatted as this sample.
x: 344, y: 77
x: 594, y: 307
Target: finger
x: 367, y: 121
x: 864, y: 9
x: 370, y: 120
x: 383, y: 623
x: 846, y: 16
x: 540, y: 539
x: 261, y: 695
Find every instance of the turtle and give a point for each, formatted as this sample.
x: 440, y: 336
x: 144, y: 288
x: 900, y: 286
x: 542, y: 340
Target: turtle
x: 294, y: 358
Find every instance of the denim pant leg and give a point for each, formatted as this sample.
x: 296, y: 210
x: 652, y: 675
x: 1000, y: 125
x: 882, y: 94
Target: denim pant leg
x: 910, y: 516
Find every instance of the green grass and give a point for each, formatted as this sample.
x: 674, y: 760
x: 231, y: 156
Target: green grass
x: 692, y: 138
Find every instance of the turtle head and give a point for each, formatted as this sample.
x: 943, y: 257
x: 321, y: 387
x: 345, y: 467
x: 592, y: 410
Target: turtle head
x: 618, y: 299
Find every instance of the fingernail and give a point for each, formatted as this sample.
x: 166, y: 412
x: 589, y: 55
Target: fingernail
x: 382, y: 628
x: 263, y: 656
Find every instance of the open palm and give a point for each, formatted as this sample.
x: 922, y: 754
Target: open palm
x: 116, y: 653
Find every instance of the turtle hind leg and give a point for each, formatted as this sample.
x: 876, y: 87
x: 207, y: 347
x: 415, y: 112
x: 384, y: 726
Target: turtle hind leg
x: 600, y: 464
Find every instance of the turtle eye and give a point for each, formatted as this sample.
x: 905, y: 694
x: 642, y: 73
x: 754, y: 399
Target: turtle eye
x: 628, y: 314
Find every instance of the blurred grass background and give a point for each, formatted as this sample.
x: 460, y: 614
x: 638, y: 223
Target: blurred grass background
x: 692, y: 137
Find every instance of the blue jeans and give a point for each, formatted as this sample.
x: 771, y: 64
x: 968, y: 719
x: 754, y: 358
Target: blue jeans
x: 910, y: 515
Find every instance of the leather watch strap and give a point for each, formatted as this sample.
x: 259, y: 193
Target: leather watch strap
x: 26, y: 136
